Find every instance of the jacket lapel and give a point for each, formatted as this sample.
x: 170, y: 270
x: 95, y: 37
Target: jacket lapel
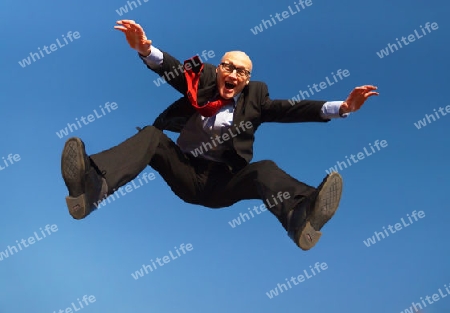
x: 239, y: 109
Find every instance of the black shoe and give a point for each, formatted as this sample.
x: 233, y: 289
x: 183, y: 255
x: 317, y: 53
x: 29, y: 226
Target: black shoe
x: 308, y: 218
x: 85, y: 184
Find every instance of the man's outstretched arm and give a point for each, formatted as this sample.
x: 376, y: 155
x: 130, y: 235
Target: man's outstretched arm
x: 167, y: 67
x: 156, y: 60
x: 286, y: 111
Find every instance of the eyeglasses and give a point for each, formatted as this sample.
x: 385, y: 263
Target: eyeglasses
x: 229, y: 68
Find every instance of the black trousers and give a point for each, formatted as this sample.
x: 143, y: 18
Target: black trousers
x: 199, y: 181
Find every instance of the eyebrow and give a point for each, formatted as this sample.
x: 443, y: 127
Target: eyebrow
x: 240, y: 67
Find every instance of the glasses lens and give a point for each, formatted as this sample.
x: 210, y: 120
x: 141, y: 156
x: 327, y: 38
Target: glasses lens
x: 230, y: 68
x: 227, y: 67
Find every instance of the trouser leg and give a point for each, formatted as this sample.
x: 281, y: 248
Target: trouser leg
x: 262, y: 180
x: 150, y: 146
x: 122, y: 163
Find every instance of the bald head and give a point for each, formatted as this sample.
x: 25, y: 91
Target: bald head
x: 238, y: 57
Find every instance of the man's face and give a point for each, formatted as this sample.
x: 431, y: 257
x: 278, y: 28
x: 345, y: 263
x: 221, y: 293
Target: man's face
x: 234, y: 75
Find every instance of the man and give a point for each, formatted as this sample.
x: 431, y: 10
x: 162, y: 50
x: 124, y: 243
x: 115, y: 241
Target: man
x: 220, y: 111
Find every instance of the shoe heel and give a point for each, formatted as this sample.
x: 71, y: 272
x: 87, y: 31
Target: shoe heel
x: 309, y: 237
x: 77, y: 206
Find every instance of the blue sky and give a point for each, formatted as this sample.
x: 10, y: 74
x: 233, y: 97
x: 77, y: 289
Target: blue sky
x: 227, y: 269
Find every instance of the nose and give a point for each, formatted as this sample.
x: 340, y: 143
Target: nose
x: 233, y: 73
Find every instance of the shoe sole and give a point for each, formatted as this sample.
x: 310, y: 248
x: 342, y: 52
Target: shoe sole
x: 327, y: 203
x: 73, y: 171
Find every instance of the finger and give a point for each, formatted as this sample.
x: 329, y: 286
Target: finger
x: 137, y: 29
x: 363, y: 91
x: 120, y: 28
x: 123, y: 31
x: 358, y: 91
x: 366, y: 88
x: 369, y: 94
x: 124, y: 22
x: 127, y: 26
x: 128, y: 22
x: 371, y: 87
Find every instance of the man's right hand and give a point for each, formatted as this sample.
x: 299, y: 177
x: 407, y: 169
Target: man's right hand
x: 135, y: 36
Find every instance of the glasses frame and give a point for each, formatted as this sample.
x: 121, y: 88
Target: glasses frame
x: 245, y: 73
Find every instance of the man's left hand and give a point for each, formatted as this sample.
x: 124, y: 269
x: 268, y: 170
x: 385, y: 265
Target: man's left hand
x: 357, y: 98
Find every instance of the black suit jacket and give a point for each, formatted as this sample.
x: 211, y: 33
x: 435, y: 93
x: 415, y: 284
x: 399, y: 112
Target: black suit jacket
x: 254, y: 105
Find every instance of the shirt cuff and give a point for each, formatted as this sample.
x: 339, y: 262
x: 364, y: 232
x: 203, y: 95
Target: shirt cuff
x: 330, y: 110
x: 154, y: 59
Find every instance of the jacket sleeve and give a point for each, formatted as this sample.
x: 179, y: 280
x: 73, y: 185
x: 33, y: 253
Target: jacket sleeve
x: 288, y: 111
x: 172, y: 71
x: 175, y: 116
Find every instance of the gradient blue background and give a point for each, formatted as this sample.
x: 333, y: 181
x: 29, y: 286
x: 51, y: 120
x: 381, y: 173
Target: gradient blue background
x: 229, y: 270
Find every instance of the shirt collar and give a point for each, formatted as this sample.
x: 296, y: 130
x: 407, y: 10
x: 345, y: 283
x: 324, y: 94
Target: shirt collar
x: 235, y: 98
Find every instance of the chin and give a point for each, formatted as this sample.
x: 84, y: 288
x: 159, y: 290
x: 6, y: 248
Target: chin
x: 227, y: 94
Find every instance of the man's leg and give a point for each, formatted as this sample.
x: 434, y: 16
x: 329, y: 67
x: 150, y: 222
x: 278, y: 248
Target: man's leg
x: 122, y: 163
x: 90, y: 179
x: 301, y: 209
x: 262, y: 180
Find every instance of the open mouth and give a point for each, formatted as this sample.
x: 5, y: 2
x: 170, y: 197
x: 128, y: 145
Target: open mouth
x: 229, y: 86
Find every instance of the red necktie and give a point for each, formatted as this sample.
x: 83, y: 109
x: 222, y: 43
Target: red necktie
x: 192, y: 73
